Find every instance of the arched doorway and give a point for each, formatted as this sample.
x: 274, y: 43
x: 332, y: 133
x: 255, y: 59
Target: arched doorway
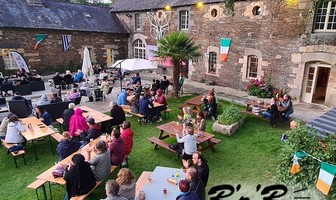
x: 315, y: 82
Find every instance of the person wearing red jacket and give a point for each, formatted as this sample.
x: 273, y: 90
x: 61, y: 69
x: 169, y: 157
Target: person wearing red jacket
x: 127, y: 136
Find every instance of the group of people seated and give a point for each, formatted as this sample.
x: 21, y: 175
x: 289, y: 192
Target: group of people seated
x: 279, y: 106
x: 67, y: 79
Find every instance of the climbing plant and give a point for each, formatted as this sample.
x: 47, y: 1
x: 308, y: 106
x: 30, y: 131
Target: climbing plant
x: 229, y: 4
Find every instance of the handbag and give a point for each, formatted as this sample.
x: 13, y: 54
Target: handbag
x: 58, y: 172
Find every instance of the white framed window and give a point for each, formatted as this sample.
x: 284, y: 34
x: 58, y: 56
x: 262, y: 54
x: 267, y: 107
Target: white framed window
x: 212, y: 62
x: 184, y: 20
x: 138, y: 22
x: 9, y: 61
x: 252, y: 67
x: 139, y: 50
x: 325, y: 17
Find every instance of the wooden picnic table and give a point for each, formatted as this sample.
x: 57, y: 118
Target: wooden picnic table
x: 141, y: 182
x: 263, y: 106
x: 195, y: 102
x: 38, y: 130
x: 171, y: 129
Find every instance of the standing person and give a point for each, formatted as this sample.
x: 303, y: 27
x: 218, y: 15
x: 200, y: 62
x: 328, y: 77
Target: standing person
x: 100, y: 164
x: 116, y: 148
x: 112, y: 189
x: 104, y: 87
x: 79, y: 177
x: 186, y: 193
x: 287, y: 104
x: 43, y: 115
x: 161, y: 99
x: 201, y: 165
x: 66, y: 146
x: 164, y: 84
x: 181, y: 82
x: 196, y: 183
x: 4, y: 124
x: 92, y: 133
x: 117, y: 114
x: 200, y: 122
x: 127, y: 183
x: 67, y: 114
x: 272, y: 112
x: 127, y: 136
x: 14, y: 129
x: 77, y: 122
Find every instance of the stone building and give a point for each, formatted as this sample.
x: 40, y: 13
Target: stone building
x: 290, y: 42
x: 94, y: 27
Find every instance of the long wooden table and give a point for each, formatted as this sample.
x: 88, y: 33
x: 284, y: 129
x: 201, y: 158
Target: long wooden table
x: 195, y: 102
x: 141, y: 182
x: 171, y: 127
x: 38, y: 130
x: 156, y: 104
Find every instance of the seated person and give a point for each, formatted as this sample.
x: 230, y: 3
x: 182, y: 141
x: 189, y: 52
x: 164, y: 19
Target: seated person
x: 18, y: 97
x: 117, y: 114
x: 43, y: 115
x: 86, y: 86
x: 272, y: 112
x: 21, y: 73
x: 200, y: 122
x: 211, y: 104
x: 201, y: 165
x: 92, y: 133
x: 78, y: 176
x: 146, y: 107
x: 73, y: 95
x: 116, y: 148
x: 6, y: 86
x: 14, y: 129
x: 138, y: 88
x: 135, y: 103
x: 186, y: 193
x: 196, y: 184
x: 67, y: 114
x: 66, y: 146
x: 188, y: 143
x: 54, y: 98
x: 79, y: 76
x: 112, y: 189
x: 187, y: 116
x: 161, y: 99
x: 287, y: 106
x: 4, y: 124
x: 122, y: 98
x: 77, y: 122
x: 100, y: 163
x: 43, y: 100
x: 67, y: 78
x: 96, y: 69
x: 136, y: 78
x: 23, y: 81
x: 104, y: 87
x: 127, y: 182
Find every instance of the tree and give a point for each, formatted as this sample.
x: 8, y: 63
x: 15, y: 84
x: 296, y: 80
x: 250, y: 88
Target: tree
x: 181, y: 48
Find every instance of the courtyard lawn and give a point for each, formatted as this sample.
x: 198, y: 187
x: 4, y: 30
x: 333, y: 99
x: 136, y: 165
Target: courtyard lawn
x: 249, y: 157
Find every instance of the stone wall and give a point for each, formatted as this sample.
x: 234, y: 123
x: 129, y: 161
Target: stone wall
x: 50, y: 51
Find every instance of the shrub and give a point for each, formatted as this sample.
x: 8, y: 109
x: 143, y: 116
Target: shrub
x: 230, y: 115
x: 260, y: 88
x: 305, y: 139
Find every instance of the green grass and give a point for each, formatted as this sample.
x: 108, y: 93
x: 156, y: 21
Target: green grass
x: 248, y: 157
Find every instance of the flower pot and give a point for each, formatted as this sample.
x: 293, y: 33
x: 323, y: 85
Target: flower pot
x: 227, y: 129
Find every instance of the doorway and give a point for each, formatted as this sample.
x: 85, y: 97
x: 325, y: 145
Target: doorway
x: 315, y: 83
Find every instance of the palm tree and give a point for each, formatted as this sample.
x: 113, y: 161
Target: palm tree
x: 181, y: 48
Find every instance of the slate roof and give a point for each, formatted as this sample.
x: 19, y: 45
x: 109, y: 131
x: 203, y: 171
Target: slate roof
x: 59, y: 16
x: 140, y: 5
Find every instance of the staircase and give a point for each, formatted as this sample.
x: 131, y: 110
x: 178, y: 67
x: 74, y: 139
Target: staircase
x: 325, y: 124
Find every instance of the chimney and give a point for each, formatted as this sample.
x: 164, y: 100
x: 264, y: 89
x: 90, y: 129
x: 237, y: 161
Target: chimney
x: 35, y: 2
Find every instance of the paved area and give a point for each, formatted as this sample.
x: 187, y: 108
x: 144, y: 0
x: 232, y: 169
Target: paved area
x: 303, y: 111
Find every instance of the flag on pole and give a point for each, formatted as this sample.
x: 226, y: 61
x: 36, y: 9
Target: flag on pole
x: 296, y: 166
x: 66, y: 40
x: 39, y: 38
x: 326, y: 177
x: 20, y: 61
x: 224, y: 48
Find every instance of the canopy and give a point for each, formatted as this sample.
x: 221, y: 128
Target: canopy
x: 134, y: 64
x: 87, y: 66
x: 166, y: 62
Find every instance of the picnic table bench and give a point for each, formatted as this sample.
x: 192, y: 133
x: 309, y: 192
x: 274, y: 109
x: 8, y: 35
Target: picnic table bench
x: 18, y: 154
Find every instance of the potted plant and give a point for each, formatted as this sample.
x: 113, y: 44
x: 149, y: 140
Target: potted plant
x: 229, y: 121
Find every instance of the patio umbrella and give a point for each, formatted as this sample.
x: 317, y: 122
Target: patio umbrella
x: 86, y: 65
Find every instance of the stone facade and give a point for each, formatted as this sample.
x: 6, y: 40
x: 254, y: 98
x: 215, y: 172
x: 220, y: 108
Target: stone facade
x: 279, y: 33
x: 50, y: 51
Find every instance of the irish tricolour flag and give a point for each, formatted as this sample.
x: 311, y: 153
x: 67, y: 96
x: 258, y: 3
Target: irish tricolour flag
x: 224, y: 48
x: 326, y: 177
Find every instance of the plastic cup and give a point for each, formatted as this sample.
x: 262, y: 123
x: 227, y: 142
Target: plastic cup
x: 177, y: 123
x: 149, y: 179
x: 165, y: 191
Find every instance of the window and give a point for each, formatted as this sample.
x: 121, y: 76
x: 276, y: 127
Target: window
x: 256, y: 10
x: 212, y: 62
x: 138, y: 22
x: 252, y: 66
x: 184, y: 20
x: 325, y: 17
x: 9, y: 61
x: 139, y: 49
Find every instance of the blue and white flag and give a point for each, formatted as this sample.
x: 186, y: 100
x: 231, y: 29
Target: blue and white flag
x: 66, y: 40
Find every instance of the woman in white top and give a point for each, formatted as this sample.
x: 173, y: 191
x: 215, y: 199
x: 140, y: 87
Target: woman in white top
x: 14, y: 129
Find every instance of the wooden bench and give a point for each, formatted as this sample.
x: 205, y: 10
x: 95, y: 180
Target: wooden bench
x: 19, y: 154
x: 36, y: 185
x: 165, y: 112
x: 250, y: 113
x: 128, y: 110
x: 161, y: 143
x: 57, y: 136
x: 215, y: 141
x: 87, y: 194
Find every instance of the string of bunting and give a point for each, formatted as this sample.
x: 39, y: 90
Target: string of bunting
x: 326, y: 175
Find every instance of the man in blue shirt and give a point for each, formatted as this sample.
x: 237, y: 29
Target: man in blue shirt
x: 79, y: 76
x: 122, y: 98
